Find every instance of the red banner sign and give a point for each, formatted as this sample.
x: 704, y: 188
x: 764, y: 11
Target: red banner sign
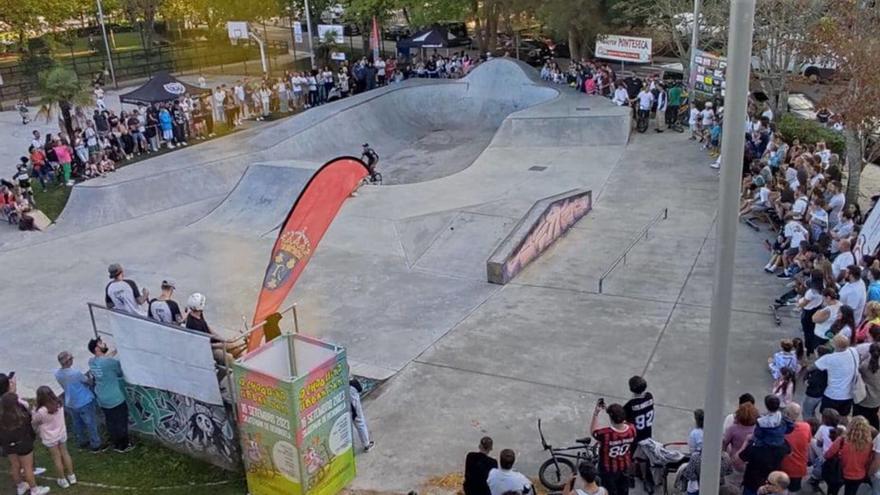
x: 308, y: 220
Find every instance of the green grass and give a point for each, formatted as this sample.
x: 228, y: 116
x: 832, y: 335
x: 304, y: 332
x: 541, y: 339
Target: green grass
x: 149, y: 468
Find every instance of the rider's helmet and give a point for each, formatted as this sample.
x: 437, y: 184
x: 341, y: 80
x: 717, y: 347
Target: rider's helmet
x: 196, y: 302
x: 366, y: 145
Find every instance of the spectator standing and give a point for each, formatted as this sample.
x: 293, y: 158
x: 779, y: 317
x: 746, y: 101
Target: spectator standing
x: 615, y: 455
x: 841, y: 365
x: 585, y: 482
x: 854, y: 293
x: 504, y: 479
x: 357, y: 413
x: 380, y: 71
x: 79, y: 401
x: 854, y: 453
x: 737, y: 434
x: 109, y: 389
x: 165, y: 309
x: 870, y: 372
x: 123, y: 294
x: 760, y: 461
x: 17, y: 442
x: 695, y: 437
x: 816, y: 381
x: 48, y: 421
x: 795, y: 463
x: 477, y: 466
x: 640, y: 411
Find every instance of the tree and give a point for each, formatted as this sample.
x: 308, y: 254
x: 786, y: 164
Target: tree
x: 578, y: 21
x: 781, y: 44
x: 670, y: 23
x: 61, y: 90
x: 143, y: 12
x: 848, y: 34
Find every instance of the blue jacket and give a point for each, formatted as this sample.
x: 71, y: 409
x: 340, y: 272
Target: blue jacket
x: 164, y: 120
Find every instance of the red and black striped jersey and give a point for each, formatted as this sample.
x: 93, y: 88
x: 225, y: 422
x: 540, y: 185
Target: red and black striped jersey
x: 615, y: 450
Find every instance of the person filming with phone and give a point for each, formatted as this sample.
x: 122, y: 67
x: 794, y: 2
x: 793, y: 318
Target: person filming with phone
x: 615, y: 447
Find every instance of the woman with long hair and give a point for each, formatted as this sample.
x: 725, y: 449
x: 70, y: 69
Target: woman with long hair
x: 737, y: 434
x: 854, y: 451
x: 49, y: 422
x: 17, y: 441
x: 870, y: 371
x: 845, y: 322
x: 809, y: 304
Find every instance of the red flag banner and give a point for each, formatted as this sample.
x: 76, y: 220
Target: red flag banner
x: 308, y: 220
x: 374, y: 39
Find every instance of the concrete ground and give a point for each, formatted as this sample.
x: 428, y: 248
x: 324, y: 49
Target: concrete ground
x: 399, y: 280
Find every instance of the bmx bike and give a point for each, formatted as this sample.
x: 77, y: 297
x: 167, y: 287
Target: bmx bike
x: 563, y: 462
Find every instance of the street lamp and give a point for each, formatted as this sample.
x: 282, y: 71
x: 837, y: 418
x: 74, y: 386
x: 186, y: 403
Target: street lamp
x: 106, y: 43
x: 742, y: 17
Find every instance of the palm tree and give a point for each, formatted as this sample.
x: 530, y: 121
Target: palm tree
x: 61, y: 90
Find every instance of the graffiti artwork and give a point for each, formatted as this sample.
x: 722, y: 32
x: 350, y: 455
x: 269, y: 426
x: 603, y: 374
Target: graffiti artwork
x: 525, y: 243
x: 201, y: 430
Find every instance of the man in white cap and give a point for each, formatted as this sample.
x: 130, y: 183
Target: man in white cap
x: 123, y: 294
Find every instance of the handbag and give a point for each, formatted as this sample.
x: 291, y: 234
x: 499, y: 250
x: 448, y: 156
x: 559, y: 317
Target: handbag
x: 832, y: 469
x: 859, y: 391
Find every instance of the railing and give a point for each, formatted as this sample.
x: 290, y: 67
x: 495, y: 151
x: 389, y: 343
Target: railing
x: 643, y: 234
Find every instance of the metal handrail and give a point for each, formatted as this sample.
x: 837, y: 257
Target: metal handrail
x: 662, y: 215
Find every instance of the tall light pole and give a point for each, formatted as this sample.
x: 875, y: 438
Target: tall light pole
x: 695, y: 42
x: 309, y: 27
x: 106, y: 43
x: 742, y: 17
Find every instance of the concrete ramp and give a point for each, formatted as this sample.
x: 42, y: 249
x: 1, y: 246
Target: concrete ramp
x: 259, y: 202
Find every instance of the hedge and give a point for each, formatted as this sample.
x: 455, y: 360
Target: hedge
x: 811, y: 132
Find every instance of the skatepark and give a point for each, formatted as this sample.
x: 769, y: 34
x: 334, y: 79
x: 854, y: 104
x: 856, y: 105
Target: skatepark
x: 399, y: 280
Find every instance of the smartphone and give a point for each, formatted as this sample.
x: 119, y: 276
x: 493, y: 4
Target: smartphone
x: 601, y: 403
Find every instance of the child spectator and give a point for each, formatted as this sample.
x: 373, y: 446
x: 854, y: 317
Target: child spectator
x: 48, y: 421
x: 785, y: 386
x: 786, y: 357
x: 695, y: 437
x: 772, y: 426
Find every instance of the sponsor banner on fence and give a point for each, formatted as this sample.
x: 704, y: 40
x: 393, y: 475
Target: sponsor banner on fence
x: 708, y: 74
x: 297, y: 32
x: 164, y: 357
x: 623, y: 48
x: 336, y: 29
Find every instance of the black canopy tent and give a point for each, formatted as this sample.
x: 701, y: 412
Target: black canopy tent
x: 432, y: 37
x: 161, y: 87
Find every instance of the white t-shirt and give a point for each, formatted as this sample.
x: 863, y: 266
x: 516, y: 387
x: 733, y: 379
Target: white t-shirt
x: 800, y: 205
x: 814, y: 299
x: 501, y: 481
x: 708, y: 116
x: 840, y: 367
x: 620, y: 96
x: 796, y: 232
x: 825, y: 156
x: 123, y: 295
x: 380, y: 67
x: 821, y: 329
x: 842, y: 261
x: 646, y: 99
x: 836, y: 203
x: 854, y: 295
x: 694, y: 116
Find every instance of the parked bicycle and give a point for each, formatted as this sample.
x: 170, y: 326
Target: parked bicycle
x: 563, y: 462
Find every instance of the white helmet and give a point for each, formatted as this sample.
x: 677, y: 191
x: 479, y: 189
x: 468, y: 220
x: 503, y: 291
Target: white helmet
x: 196, y: 302
x: 708, y: 104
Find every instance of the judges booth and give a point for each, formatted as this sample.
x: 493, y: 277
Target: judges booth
x: 294, y: 417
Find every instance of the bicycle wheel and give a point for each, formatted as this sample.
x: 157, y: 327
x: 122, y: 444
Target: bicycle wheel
x: 377, y: 179
x: 553, y: 475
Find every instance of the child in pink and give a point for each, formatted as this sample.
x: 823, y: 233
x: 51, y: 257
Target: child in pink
x: 48, y: 421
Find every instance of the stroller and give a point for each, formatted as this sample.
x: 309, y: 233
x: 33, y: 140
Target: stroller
x: 658, y: 462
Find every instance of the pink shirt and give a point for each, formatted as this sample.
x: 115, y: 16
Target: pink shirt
x: 62, y: 153
x: 50, y: 427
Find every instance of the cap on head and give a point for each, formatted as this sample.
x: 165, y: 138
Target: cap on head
x: 169, y: 284
x: 65, y: 358
x: 114, y: 270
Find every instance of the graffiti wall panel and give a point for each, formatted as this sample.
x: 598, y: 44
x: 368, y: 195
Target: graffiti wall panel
x: 201, y: 430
